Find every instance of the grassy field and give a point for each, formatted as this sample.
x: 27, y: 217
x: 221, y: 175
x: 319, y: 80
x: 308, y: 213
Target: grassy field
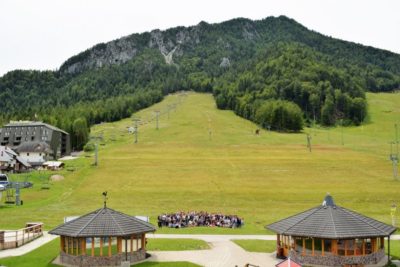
x: 166, y: 264
x: 254, y: 245
x: 177, y: 244
x: 181, y: 166
x: 41, y: 257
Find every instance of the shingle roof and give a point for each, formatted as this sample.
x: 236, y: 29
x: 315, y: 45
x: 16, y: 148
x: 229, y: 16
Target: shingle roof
x: 331, y: 221
x: 33, y: 123
x: 33, y: 146
x: 103, y: 222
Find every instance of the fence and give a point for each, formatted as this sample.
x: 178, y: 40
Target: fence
x: 16, y: 238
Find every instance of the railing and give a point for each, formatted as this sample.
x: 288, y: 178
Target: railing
x: 16, y: 238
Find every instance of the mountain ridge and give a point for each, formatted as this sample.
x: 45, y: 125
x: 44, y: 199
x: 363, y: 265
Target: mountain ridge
x: 273, y: 71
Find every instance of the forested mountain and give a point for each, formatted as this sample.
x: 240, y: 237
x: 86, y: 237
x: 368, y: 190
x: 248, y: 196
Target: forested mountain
x: 273, y: 71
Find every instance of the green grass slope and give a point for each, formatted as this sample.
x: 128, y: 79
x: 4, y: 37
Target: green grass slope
x: 261, y: 178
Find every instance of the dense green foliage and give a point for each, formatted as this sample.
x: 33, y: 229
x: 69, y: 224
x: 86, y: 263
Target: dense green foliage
x: 276, y: 73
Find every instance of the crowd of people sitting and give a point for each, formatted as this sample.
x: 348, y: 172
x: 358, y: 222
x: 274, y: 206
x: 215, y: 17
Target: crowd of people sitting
x: 193, y: 218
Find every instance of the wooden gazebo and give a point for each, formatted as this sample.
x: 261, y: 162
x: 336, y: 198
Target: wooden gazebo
x: 104, y: 237
x: 330, y: 235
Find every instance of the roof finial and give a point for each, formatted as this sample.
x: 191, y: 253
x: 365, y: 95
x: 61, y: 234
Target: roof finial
x: 105, y: 198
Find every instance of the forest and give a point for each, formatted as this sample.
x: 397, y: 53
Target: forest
x: 274, y: 72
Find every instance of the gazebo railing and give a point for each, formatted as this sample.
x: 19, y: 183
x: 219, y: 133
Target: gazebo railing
x: 16, y: 238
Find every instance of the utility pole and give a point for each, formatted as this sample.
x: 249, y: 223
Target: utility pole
x: 341, y: 126
x: 135, y: 128
x: 157, y: 115
x: 96, y: 147
x: 309, y: 142
x: 394, y: 153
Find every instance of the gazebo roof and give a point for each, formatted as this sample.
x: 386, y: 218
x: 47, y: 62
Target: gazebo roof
x: 332, y: 222
x: 103, y: 222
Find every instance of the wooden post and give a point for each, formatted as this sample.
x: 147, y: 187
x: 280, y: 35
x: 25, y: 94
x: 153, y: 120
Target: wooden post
x: 92, y: 247
x: 109, y: 246
x: 345, y: 247
x: 77, y: 241
x: 83, y: 246
x: 119, y: 244
x: 382, y: 242
x: 62, y: 244
x: 67, y: 245
x: 294, y: 243
x: 101, y: 246
x: 363, y: 247
x: 304, y: 246
x: 334, y: 247
x: 323, y: 247
x: 131, y: 243
x: 143, y: 241
x: 312, y: 243
x: 278, y: 243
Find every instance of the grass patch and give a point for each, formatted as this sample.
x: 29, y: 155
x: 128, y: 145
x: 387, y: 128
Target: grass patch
x: 394, y: 249
x: 166, y: 264
x: 165, y: 244
x: 40, y: 257
x: 254, y: 245
x: 261, y: 178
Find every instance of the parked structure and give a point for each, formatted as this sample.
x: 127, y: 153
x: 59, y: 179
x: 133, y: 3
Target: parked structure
x: 10, y: 161
x: 104, y: 237
x: 18, y: 132
x: 288, y: 263
x: 35, y: 153
x: 329, y: 235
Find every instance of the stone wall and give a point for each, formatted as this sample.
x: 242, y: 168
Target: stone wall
x: 114, y: 260
x: 335, y: 260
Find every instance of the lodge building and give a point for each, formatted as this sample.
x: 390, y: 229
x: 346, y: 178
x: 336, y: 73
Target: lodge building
x: 18, y: 132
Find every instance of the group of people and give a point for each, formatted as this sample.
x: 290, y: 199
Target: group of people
x: 193, y: 218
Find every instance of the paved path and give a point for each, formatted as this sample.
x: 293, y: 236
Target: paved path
x: 27, y: 247
x: 223, y: 251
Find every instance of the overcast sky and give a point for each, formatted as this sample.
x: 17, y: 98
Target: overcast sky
x: 42, y: 34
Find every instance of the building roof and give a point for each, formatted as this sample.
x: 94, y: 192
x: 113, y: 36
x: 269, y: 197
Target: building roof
x: 33, y: 146
x: 33, y: 123
x: 331, y: 221
x: 7, y: 155
x: 103, y: 222
x: 288, y: 263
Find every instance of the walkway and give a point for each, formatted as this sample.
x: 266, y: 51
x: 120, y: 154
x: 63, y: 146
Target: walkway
x: 27, y: 247
x: 223, y: 252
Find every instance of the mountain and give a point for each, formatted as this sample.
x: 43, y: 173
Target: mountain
x: 273, y: 71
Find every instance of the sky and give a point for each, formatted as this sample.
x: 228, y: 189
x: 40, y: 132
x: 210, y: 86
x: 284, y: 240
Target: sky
x: 42, y: 34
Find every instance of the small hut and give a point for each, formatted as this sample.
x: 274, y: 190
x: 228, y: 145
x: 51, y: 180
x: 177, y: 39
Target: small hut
x: 104, y: 237
x: 330, y: 235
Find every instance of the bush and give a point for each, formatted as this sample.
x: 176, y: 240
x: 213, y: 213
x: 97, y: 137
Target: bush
x: 89, y: 147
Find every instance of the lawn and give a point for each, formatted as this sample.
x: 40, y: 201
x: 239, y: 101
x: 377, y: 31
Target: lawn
x: 40, y: 257
x: 176, y: 244
x: 202, y: 158
x: 255, y: 245
x: 166, y: 264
